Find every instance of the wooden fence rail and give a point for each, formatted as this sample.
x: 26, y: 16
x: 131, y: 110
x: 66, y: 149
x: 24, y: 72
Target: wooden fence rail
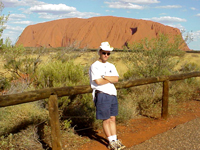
x: 25, y: 97
x: 53, y: 93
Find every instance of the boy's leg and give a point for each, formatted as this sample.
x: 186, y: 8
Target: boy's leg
x: 109, y: 126
x: 106, y: 127
x: 113, y: 125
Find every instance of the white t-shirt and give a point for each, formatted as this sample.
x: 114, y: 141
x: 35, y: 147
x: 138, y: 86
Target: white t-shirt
x: 97, y: 69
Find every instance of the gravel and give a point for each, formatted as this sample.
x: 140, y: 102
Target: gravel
x: 183, y: 137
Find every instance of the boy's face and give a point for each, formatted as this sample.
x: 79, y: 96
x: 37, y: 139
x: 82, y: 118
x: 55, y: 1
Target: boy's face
x: 104, y: 55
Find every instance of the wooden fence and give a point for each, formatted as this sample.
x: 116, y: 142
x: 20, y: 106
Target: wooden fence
x: 54, y: 93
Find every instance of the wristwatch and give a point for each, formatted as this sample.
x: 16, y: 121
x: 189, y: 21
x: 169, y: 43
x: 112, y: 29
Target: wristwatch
x: 103, y: 76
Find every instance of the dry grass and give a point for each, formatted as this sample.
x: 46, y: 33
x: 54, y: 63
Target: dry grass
x: 2, y: 70
x: 88, y: 58
x: 189, y: 58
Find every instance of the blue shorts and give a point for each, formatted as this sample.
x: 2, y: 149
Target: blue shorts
x: 106, y: 106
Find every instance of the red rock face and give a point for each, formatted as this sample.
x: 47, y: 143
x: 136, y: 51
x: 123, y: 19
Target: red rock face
x: 91, y: 32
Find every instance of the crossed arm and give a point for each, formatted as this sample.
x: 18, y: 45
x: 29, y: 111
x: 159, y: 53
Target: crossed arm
x: 107, y: 79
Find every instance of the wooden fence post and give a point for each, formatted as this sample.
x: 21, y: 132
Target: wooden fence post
x: 54, y: 122
x: 165, y: 98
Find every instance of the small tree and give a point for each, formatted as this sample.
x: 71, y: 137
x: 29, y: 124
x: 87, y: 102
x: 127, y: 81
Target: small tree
x: 19, y: 63
x: 150, y: 58
x: 3, y: 20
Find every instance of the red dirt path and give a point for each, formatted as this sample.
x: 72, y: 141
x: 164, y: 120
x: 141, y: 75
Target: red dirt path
x: 141, y: 129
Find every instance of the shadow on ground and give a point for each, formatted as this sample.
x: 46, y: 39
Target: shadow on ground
x: 93, y: 135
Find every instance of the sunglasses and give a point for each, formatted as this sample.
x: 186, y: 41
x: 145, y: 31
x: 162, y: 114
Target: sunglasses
x: 104, y: 53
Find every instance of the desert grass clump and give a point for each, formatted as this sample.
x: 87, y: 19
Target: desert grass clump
x: 189, y: 67
x: 4, y: 83
x: 185, y: 90
x: 149, y: 100
x: 25, y: 139
x: 140, y: 100
x: 81, y: 111
x: 15, y: 118
x: 128, y: 106
x: 58, y: 74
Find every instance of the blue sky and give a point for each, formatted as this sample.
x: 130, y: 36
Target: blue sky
x: 182, y: 14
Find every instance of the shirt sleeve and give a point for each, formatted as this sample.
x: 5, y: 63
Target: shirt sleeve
x: 94, y: 73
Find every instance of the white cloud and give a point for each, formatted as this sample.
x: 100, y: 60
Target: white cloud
x: 52, y: 8
x: 195, y: 44
x: 163, y: 14
x: 130, y: 4
x: 17, y: 28
x: 179, y: 26
x: 23, y: 22
x: 169, y: 6
x: 196, y: 35
x: 80, y: 14
x: 12, y: 35
x: 141, y: 1
x: 12, y: 32
x: 193, y: 8
x: 15, y: 3
x: 17, y: 16
x: 123, y: 5
x: 10, y: 3
x: 75, y: 14
x: 198, y: 15
x: 167, y: 19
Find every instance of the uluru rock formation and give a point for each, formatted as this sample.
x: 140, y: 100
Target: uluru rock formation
x: 118, y: 31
